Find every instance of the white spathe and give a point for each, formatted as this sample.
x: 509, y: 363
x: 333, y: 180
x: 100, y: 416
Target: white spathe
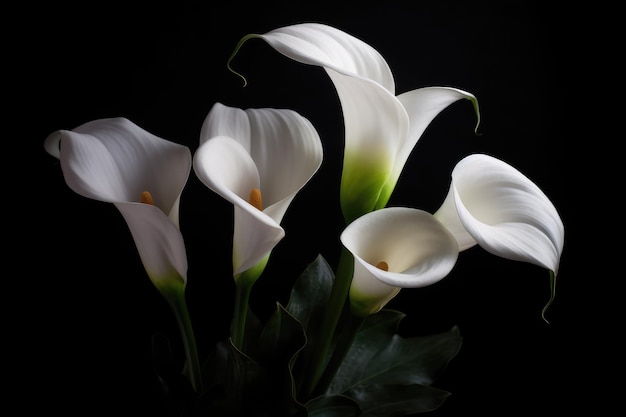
x: 276, y: 151
x: 114, y: 160
x: 418, y: 250
x: 381, y: 128
x: 494, y: 205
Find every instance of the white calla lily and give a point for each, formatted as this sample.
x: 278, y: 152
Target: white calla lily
x: 394, y: 248
x: 272, y: 153
x: 116, y: 161
x: 492, y: 204
x: 381, y: 129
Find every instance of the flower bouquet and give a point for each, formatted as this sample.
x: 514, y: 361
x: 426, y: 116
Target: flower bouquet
x: 333, y: 349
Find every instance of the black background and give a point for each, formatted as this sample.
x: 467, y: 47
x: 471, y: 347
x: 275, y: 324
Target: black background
x: 83, y: 311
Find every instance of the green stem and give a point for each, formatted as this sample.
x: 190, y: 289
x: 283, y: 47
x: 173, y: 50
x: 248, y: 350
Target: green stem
x: 243, y: 286
x: 181, y: 312
x: 336, y: 305
x: 238, y: 327
x: 344, y: 342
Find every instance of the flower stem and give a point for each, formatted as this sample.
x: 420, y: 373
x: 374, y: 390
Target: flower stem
x: 238, y: 326
x: 336, y: 305
x: 344, y: 342
x: 181, y: 312
x: 243, y: 286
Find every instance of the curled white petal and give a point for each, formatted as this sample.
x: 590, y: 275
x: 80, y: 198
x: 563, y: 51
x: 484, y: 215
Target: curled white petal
x: 115, y: 161
x: 329, y: 47
x: 380, y: 129
x: 225, y: 166
x: 159, y: 242
x: 376, y: 126
x: 493, y: 204
x: 422, y: 105
x: 276, y: 151
x: 417, y: 248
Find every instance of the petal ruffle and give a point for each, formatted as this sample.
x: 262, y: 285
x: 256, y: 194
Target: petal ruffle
x: 493, y: 204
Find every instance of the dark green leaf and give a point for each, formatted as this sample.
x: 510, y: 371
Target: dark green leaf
x: 245, y: 376
x: 308, y: 301
x: 373, y: 337
x: 281, y: 338
x: 310, y: 293
x: 379, y: 356
x: 414, y: 360
x: 397, y: 400
x: 333, y: 406
x: 276, y: 349
x: 251, y: 389
x: 215, y: 366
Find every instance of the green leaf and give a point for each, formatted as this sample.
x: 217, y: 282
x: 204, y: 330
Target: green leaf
x: 311, y: 291
x: 379, y: 356
x: 245, y: 376
x: 397, y: 400
x: 276, y: 349
x: 216, y: 364
x: 371, y: 339
x: 333, y: 406
x: 308, y: 301
x: 282, y: 337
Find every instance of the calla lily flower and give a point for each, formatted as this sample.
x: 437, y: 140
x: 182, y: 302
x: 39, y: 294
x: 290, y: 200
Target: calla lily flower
x: 381, y: 128
x: 257, y: 159
x: 492, y: 204
x: 116, y: 161
x: 394, y: 248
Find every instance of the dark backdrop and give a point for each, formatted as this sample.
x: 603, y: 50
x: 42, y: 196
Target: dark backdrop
x: 89, y: 310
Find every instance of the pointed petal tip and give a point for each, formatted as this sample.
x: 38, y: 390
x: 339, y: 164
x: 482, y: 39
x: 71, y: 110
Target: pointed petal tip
x: 234, y: 53
x: 552, y: 295
x: 472, y: 98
